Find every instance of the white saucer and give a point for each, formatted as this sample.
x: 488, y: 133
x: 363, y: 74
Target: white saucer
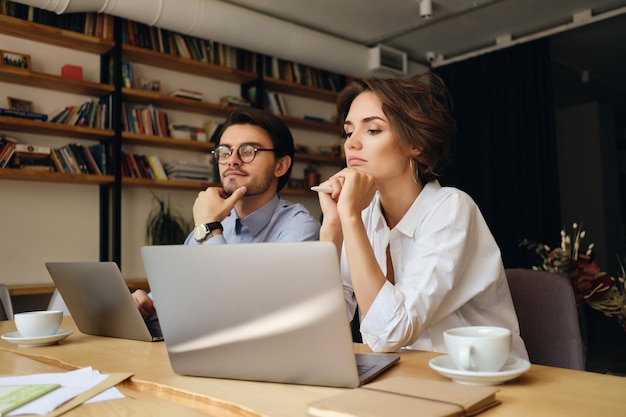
x: 513, y: 368
x: 15, y: 337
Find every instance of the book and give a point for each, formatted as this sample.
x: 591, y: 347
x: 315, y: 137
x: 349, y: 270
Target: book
x: 14, y: 396
x: 281, y: 103
x: 157, y: 167
x: 314, y: 118
x: 234, y: 101
x: 33, y: 157
x: 407, y: 396
x: 23, y: 114
x: 190, y: 94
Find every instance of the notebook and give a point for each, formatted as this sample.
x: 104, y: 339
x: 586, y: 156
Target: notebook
x: 270, y: 312
x: 99, y: 301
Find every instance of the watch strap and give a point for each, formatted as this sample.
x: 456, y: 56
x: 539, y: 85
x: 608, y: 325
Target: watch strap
x: 214, y: 226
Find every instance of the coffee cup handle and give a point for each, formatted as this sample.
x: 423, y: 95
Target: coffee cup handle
x: 465, y: 357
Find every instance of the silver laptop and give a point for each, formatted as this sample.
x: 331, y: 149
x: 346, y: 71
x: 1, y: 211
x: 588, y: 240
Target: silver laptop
x: 99, y: 301
x: 257, y: 311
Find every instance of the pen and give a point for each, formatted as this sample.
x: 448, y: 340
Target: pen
x: 322, y: 189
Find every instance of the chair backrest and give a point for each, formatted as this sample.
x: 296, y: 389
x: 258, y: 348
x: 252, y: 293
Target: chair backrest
x: 6, y: 307
x: 548, y: 318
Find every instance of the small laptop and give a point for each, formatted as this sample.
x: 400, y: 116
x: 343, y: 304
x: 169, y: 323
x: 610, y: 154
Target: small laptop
x: 99, y: 301
x: 270, y: 312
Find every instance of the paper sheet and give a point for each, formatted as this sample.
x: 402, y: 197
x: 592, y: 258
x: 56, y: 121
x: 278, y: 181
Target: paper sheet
x: 72, y: 383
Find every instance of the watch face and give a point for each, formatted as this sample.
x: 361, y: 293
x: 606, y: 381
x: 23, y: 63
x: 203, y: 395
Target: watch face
x: 199, y: 232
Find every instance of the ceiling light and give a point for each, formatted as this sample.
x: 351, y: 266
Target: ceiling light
x: 426, y: 9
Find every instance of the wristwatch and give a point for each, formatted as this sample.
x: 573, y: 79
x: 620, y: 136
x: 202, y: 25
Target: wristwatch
x: 204, y: 231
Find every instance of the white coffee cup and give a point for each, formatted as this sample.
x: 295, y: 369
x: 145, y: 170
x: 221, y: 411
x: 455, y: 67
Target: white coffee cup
x: 478, y: 348
x: 38, y: 323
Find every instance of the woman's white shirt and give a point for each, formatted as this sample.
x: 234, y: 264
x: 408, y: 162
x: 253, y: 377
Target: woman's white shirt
x: 448, y: 273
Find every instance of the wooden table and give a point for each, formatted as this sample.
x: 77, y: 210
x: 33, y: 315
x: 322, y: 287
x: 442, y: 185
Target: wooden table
x: 156, y: 390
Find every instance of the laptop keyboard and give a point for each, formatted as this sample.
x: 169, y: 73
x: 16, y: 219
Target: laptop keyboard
x: 364, y: 367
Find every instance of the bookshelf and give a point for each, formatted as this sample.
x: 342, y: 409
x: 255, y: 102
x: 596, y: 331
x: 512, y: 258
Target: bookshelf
x: 116, y: 192
x: 41, y: 80
x: 53, y: 215
x: 51, y: 35
x: 151, y: 56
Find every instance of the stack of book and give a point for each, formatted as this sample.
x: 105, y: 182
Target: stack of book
x: 23, y: 114
x: 200, y: 169
x: 187, y: 132
x: 190, y: 94
x: 31, y: 157
x: 234, y: 101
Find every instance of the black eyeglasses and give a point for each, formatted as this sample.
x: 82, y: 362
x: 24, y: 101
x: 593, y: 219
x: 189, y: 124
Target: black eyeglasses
x: 246, y: 153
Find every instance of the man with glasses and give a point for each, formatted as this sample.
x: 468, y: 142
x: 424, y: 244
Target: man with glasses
x: 255, y: 156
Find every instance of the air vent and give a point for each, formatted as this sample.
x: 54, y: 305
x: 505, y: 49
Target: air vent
x: 384, y: 58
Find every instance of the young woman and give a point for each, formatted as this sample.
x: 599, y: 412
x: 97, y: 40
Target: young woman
x: 416, y: 258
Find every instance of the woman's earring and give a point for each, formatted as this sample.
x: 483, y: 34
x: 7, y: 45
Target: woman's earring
x: 414, y: 171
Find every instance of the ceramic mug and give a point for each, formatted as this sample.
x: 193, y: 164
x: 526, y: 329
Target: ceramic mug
x: 38, y: 323
x: 478, y: 348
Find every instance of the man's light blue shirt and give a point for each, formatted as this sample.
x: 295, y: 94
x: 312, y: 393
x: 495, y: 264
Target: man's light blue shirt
x: 277, y: 221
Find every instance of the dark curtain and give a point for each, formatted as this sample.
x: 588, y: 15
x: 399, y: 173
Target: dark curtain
x: 504, y: 154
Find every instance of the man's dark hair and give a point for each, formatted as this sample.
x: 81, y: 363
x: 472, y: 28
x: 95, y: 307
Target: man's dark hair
x: 279, y: 133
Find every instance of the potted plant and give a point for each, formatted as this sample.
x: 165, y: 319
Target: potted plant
x: 165, y: 226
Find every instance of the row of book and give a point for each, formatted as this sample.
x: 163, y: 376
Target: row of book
x: 186, y: 46
x: 302, y: 74
x: 276, y: 103
x: 142, y: 166
x: 146, y: 120
x: 91, y: 113
x: 177, y: 44
x: 168, y: 42
x: 79, y: 159
x: 92, y: 23
x: 150, y: 167
x: 72, y: 158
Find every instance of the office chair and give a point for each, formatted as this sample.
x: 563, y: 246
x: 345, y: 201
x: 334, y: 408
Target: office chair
x: 548, y: 318
x: 6, y: 307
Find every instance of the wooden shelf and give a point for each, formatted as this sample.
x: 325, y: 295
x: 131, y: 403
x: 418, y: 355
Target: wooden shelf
x: 296, y: 122
x: 198, y: 185
x: 165, y: 142
x: 300, y: 192
x: 175, y: 103
x: 172, y: 183
x: 189, y: 66
x: 286, y: 87
x: 60, y: 177
x: 17, y: 124
x: 53, y: 82
x: 326, y: 160
x: 24, y: 29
